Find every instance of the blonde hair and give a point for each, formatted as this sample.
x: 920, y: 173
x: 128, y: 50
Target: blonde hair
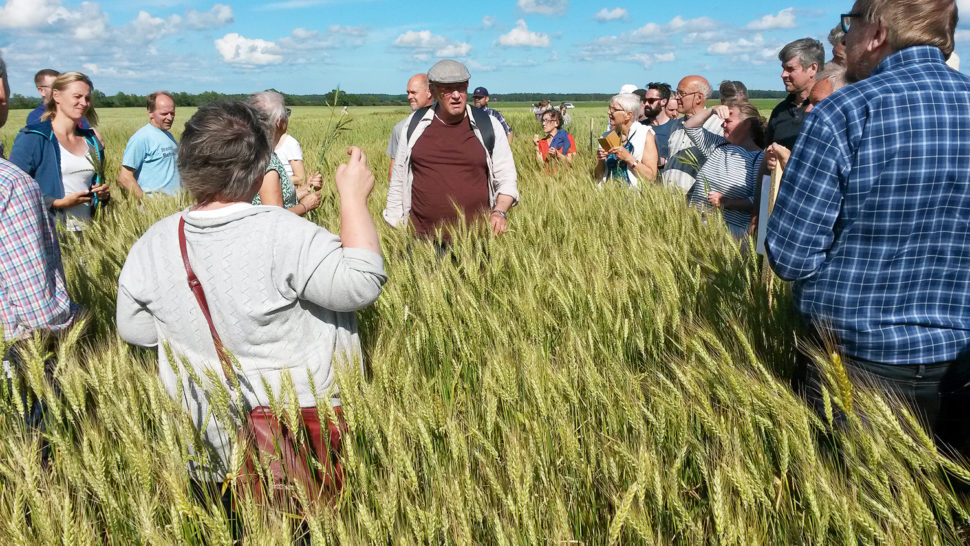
x: 61, y: 84
x: 757, y: 126
x: 913, y: 22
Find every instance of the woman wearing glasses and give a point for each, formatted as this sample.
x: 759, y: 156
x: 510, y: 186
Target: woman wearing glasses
x: 635, y: 158
x: 555, y: 145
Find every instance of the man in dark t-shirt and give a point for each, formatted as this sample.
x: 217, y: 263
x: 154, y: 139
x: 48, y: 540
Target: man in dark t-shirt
x: 449, y: 165
x: 800, y: 60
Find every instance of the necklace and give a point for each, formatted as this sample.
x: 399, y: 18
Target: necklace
x: 445, y: 122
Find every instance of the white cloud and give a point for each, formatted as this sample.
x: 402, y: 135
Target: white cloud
x: 85, y: 24
x: 145, y: 27
x: 423, y: 42
x: 646, y: 60
x: 755, y: 51
x: 488, y: 21
x: 544, y: 7
x: 218, y: 16
x: 421, y: 39
x: 521, y: 36
x: 479, y: 67
x: 27, y: 13
x: 700, y: 29
x: 699, y: 24
x: 784, y: 19
x: 458, y: 49
x: 91, y: 68
x: 610, y: 14
x: 236, y: 49
x: 961, y: 35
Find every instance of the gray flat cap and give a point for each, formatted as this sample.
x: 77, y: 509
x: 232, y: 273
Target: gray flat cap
x: 448, y: 71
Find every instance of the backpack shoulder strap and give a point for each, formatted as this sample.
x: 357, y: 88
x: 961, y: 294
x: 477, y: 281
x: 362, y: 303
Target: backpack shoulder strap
x: 484, y: 122
x: 413, y: 124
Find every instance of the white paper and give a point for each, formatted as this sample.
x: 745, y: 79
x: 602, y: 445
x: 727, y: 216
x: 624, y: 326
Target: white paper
x: 763, y: 213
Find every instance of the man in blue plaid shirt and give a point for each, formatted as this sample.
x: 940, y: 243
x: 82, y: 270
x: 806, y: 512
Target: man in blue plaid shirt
x: 872, y: 220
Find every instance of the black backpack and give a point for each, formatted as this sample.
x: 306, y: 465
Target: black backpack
x: 482, y: 119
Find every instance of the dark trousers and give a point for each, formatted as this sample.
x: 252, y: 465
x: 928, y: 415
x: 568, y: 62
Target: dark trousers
x: 939, y: 392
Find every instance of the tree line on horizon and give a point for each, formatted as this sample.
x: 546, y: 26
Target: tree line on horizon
x: 337, y: 97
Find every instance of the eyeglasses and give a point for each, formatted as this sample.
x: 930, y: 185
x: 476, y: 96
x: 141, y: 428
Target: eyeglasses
x: 613, y: 109
x: 448, y: 89
x: 548, y: 120
x: 680, y: 93
x: 846, y: 20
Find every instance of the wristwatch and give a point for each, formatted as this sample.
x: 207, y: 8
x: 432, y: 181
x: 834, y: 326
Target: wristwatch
x: 500, y: 212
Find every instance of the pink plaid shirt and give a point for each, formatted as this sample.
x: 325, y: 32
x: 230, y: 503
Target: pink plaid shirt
x: 32, y: 288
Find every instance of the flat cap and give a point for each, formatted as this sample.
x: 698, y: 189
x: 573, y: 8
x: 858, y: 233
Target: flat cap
x: 448, y: 71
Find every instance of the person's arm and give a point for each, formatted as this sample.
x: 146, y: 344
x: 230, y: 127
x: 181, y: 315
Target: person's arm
x: 30, y: 265
x: 717, y: 199
x: 539, y: 159
x: 498, y: 216
x: 126, y: 177
x: 504, y: 177
x: 309, y: 201
x: 801, y: 226
x: 4, y: 95
x: 271, y: 192
x: 299, y: 172
x: 646, y: 169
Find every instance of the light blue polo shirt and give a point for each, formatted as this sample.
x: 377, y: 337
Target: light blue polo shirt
x: 151, y: 152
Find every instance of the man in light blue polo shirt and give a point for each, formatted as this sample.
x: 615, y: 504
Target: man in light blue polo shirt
x: 149, y: 163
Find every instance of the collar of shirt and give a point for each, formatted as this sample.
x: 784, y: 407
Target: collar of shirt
x: 909, y: 55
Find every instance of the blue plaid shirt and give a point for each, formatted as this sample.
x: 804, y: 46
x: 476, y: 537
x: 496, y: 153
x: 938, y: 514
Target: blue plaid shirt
x: 33, y: 295
x: 872, y: 221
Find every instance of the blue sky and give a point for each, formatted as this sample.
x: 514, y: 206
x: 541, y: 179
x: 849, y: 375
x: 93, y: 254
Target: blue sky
x: 312, y: 46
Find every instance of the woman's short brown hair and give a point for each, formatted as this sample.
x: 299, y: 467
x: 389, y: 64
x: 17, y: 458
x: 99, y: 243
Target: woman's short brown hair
x: 556, y: 114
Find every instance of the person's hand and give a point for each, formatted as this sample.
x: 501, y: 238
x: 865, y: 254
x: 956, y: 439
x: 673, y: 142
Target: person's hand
x: 554, y: 152
x: 722, y: 111
x: 622, y: 154
x: 315, y: 182
x: 102, y: 190
x: 499, y: 223
x: 72, y: 199
x: 777, y: 156
x: 353, y: 179
x: 310, y: 201
x: 536, y: 139
x: 601, y: 154
x: 714, y: 198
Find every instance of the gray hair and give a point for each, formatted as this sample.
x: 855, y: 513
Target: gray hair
x: 629, y: 102
x: 836, y: 35
x: 271, y: 104
x: 808, y: 51
x: 224, y: 152
x: 835, y: 73
x: 703, y: 87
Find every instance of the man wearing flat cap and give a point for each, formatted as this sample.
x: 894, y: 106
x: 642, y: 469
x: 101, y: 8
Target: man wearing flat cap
x: 454, y: 161
x: 481, y: 101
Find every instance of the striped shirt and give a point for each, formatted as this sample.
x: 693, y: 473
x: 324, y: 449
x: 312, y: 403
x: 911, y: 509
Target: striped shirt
x: 32, y: 289
x: 727, y: 169
x: 872, y: 221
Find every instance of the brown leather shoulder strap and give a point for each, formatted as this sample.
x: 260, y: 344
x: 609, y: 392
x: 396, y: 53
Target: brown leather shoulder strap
x: 196, y: 288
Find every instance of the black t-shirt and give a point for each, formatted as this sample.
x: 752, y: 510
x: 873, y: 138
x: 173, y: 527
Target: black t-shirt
x: 786, y: 122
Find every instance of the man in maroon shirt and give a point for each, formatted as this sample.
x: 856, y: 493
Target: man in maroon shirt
x: 445, y: 168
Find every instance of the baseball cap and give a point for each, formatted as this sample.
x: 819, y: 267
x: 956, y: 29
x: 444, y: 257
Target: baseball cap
x: 448, y: 71
x: 480, y: 92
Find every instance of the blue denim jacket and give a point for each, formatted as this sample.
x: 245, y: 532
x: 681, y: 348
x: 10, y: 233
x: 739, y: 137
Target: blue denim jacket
x: 36, y: 152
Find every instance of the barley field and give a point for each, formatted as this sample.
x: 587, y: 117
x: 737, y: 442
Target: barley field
x: 611, y: 371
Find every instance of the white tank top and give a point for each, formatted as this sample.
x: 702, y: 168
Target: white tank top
x: 77, y: 175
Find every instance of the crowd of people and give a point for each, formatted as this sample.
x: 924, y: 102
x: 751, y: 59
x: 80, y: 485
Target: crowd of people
x: 870, y: 223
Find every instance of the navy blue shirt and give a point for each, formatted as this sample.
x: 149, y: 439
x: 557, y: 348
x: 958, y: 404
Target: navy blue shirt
x: 872, y: 221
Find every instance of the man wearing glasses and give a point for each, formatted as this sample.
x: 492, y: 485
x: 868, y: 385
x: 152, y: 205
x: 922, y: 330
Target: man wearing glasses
x: 800, y: 60
x: 654, y: 106
x: 684, y: 159
x: 872, y: 220
x: 452, y: 158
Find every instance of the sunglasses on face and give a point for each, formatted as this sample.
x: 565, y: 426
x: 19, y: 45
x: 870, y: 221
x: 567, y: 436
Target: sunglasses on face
x: 846, y: 20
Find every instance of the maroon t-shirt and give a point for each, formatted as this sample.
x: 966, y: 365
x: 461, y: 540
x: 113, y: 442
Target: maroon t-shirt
x: 450, y: 170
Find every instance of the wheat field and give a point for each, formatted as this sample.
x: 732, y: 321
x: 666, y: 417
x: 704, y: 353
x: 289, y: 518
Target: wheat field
x: 611, y: 371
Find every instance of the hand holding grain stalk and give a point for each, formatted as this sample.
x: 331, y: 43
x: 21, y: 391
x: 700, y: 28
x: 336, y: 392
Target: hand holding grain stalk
x: 354, y: 183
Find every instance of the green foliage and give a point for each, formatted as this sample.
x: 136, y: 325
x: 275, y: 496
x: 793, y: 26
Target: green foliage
x: 609, y: 371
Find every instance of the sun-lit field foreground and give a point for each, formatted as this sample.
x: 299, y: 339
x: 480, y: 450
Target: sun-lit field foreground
x: 610, y: 371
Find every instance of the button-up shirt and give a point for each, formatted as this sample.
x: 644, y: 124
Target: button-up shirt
x: 33, y: 295
x: 872, y: 221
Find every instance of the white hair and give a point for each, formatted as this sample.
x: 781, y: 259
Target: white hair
x: 629, y: 102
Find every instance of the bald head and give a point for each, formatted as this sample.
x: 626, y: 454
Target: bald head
x: 419, y: 93
x: 693, y: 91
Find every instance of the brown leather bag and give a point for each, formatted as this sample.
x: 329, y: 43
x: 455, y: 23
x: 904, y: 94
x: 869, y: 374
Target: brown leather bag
x: 278, y: 458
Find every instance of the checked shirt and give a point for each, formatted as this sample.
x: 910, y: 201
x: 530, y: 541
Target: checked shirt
x: 32, y: 289
x: 872, y: 221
